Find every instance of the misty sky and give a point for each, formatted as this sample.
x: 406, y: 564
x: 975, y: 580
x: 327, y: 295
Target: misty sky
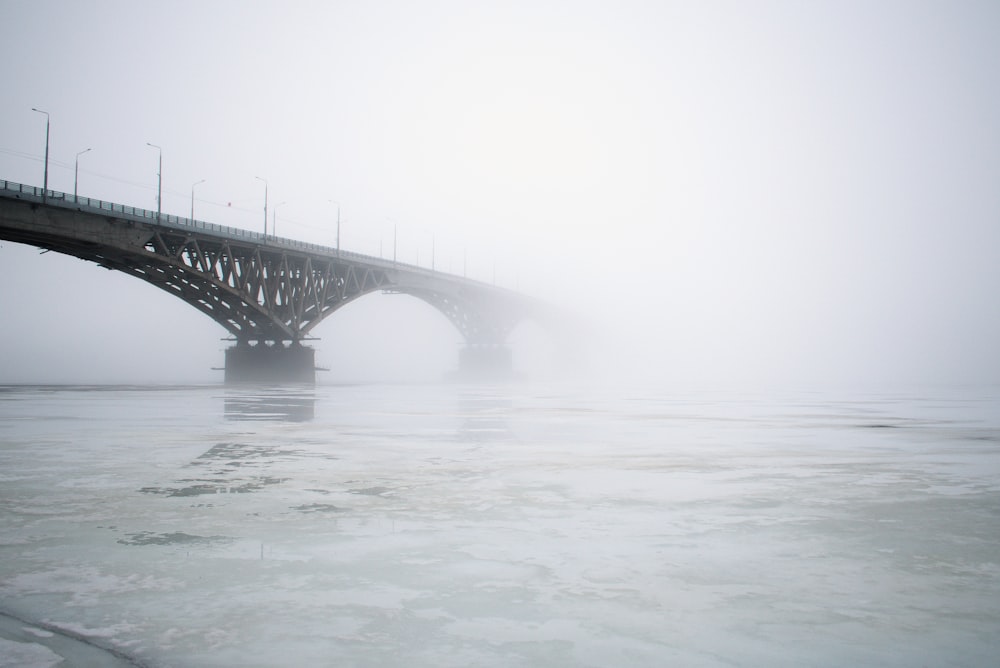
x: 734, y: 191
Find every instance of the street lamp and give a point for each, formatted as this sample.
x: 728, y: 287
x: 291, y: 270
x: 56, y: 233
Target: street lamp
x: 192, y: 196
x: 159, y: 183
x: 45, y: 183
x: 274, y: 219
x: 76, y: 173
x: 338, y: 224
x: 265, y: 205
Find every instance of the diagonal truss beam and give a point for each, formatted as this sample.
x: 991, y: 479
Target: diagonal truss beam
x: 257, y: 289
x: 256, y: 293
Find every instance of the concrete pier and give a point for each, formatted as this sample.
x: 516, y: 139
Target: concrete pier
x: 270, y: 363
x: 260, y: 288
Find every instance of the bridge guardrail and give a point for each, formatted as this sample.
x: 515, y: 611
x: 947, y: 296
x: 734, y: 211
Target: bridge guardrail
x: 56, y: 198
x: 59, y: 198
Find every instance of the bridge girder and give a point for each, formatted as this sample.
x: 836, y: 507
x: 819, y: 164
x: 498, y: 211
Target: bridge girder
x: 258, y: 289
x: 256, y: 292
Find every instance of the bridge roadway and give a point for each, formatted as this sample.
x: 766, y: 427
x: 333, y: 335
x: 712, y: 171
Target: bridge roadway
x: 267, y: 292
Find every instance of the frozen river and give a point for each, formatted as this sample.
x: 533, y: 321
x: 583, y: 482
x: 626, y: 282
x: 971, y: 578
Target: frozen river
x: 449, y: 525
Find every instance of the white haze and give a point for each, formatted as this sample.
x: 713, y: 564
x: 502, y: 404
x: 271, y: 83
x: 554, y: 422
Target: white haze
x: 772, y: 191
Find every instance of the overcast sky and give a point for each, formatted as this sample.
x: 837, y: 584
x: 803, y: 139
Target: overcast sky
x: 798, y: 192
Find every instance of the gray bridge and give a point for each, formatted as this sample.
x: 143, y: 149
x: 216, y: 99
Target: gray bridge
x: 267, y: 292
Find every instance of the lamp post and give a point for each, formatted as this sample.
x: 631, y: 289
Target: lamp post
x: 265, y: 204
x: 45, y: 183
x: 274, y: 219
x: 338, y: 224
x: 192, y: 196
x: 76, y: 173
x: 159, y: 183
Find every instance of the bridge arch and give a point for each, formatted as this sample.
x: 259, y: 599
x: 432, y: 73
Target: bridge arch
x: 386, y: 337
x: 268, y: 293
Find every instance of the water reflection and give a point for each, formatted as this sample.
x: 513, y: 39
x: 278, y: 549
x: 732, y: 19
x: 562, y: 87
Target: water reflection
x: 278, y: 404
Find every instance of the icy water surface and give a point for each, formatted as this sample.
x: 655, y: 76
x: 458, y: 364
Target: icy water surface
x: 497, y: 526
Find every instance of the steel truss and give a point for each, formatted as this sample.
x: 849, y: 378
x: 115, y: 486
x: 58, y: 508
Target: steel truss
x: 257, y: 293
x: 259, y: 290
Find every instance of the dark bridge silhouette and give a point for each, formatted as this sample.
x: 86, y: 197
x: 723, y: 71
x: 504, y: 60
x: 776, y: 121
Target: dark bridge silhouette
x: 267, y: 292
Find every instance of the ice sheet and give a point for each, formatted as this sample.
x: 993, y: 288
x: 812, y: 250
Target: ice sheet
x: 495, y: 526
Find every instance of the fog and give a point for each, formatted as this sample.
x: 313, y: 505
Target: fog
x: 724, y: 192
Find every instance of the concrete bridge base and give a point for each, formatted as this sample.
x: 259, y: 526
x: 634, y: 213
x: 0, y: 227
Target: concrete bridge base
x: 275, y: 363
x: 485, y: 361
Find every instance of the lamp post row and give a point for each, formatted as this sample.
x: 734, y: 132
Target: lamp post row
x: 159, y: 193
x: 159, y: 183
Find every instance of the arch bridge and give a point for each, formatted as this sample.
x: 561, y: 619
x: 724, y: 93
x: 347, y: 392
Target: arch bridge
x: 267, y: 292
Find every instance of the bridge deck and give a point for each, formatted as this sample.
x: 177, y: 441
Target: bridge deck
x: 261, y: 288
x: 54, y: 198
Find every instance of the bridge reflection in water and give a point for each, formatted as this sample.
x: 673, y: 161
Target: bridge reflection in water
x: 267, y: 292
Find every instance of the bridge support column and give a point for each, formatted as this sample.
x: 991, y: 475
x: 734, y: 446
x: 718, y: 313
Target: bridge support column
x: 275, y: 363
x: 489, y: 361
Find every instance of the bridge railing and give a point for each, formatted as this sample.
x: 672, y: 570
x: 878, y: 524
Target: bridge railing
x: 66, y: 200
x: 57, y: 198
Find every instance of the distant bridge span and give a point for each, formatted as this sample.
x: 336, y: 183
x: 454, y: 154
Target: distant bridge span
x: 267, y: 292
